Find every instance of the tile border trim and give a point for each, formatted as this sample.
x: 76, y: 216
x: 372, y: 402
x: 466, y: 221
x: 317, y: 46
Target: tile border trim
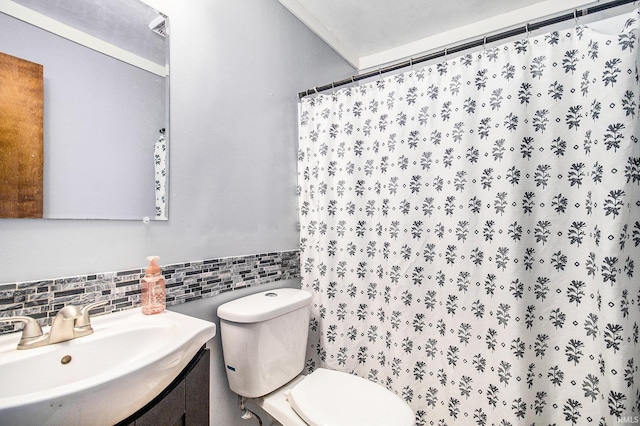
x: 185, y: 282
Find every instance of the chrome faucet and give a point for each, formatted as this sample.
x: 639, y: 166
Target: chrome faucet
x: 63, y: 323
x: 70, y: 323
x: 32, y: 335
x: 82, y: 325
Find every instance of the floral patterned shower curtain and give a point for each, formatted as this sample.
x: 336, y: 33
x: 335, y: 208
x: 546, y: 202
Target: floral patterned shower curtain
x: 471, y: 231
x: 160, y: 170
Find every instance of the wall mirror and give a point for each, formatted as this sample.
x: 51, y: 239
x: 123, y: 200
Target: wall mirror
x: 106, y: 109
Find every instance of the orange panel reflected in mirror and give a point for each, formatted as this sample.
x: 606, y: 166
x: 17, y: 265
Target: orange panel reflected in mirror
x: 21, y: 137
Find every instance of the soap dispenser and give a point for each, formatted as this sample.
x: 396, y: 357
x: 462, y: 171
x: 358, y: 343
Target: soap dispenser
x: 153, y: 288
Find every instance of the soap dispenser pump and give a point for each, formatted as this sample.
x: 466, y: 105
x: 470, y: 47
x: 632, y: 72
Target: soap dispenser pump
x: 154, y: 292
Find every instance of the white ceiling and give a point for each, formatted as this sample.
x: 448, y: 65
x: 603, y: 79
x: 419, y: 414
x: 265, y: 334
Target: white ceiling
x: 371, y: 33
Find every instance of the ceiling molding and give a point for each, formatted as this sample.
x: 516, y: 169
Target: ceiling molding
x: 516, y: 18
x: 32, y: 17
x: 321, y: 31
x: 378, y: 33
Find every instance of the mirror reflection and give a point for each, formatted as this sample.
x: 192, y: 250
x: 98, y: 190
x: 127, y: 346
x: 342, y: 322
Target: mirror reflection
x: 105, y: 103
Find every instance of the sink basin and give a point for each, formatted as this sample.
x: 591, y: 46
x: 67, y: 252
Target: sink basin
x: 101, y: 378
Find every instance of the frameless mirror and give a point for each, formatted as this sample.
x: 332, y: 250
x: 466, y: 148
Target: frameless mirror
x: 106, y: 90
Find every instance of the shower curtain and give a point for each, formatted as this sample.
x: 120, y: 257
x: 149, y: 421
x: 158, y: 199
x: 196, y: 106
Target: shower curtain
x: 160, y: 171
x: 470, y: 232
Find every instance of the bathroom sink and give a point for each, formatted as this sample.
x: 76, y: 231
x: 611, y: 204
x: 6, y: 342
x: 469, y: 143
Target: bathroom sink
x: 101, y: 378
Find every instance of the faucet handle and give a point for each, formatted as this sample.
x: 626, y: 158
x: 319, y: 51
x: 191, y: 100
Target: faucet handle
x: 83, y: 322
x: 30, y: 331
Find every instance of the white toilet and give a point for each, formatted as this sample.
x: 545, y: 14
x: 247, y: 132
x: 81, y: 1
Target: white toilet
x: 264, y: 340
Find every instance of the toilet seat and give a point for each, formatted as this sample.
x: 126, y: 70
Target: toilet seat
x: 328, y: 397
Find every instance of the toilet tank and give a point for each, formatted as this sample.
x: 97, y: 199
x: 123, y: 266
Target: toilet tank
x: 264, y: 339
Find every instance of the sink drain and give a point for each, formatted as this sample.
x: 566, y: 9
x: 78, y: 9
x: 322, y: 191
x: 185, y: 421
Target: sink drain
x: 65, y: 359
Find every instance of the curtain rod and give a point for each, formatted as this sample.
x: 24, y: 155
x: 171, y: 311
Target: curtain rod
x: 469, y: 45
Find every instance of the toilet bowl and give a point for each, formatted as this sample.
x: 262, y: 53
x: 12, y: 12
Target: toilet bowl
x: 329, y: 397
x: 264, y: 340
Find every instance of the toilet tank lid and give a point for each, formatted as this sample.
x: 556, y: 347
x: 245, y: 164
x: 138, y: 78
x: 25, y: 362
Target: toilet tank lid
x: 264, y: 305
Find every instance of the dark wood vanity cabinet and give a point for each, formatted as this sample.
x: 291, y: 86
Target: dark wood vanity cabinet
x: 185, y: 402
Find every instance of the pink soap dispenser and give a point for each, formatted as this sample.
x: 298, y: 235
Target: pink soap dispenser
x: 153, y: 288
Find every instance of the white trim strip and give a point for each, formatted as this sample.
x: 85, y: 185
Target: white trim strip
x: 476, y: 30
x: 34, y: 18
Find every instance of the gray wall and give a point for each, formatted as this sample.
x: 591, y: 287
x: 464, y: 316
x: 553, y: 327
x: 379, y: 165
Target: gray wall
x: 236, y: 67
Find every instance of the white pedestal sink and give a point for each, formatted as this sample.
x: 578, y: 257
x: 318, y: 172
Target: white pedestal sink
x: 102, y: 378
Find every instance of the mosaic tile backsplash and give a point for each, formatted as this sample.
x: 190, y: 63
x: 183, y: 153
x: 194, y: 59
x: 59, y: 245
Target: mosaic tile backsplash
x: 185, y: 282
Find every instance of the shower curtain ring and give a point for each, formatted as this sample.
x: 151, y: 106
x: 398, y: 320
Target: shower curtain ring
x: 484, y: 44
x: 445, y: 54
x: 527, y: 29
x: 575, y: 16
